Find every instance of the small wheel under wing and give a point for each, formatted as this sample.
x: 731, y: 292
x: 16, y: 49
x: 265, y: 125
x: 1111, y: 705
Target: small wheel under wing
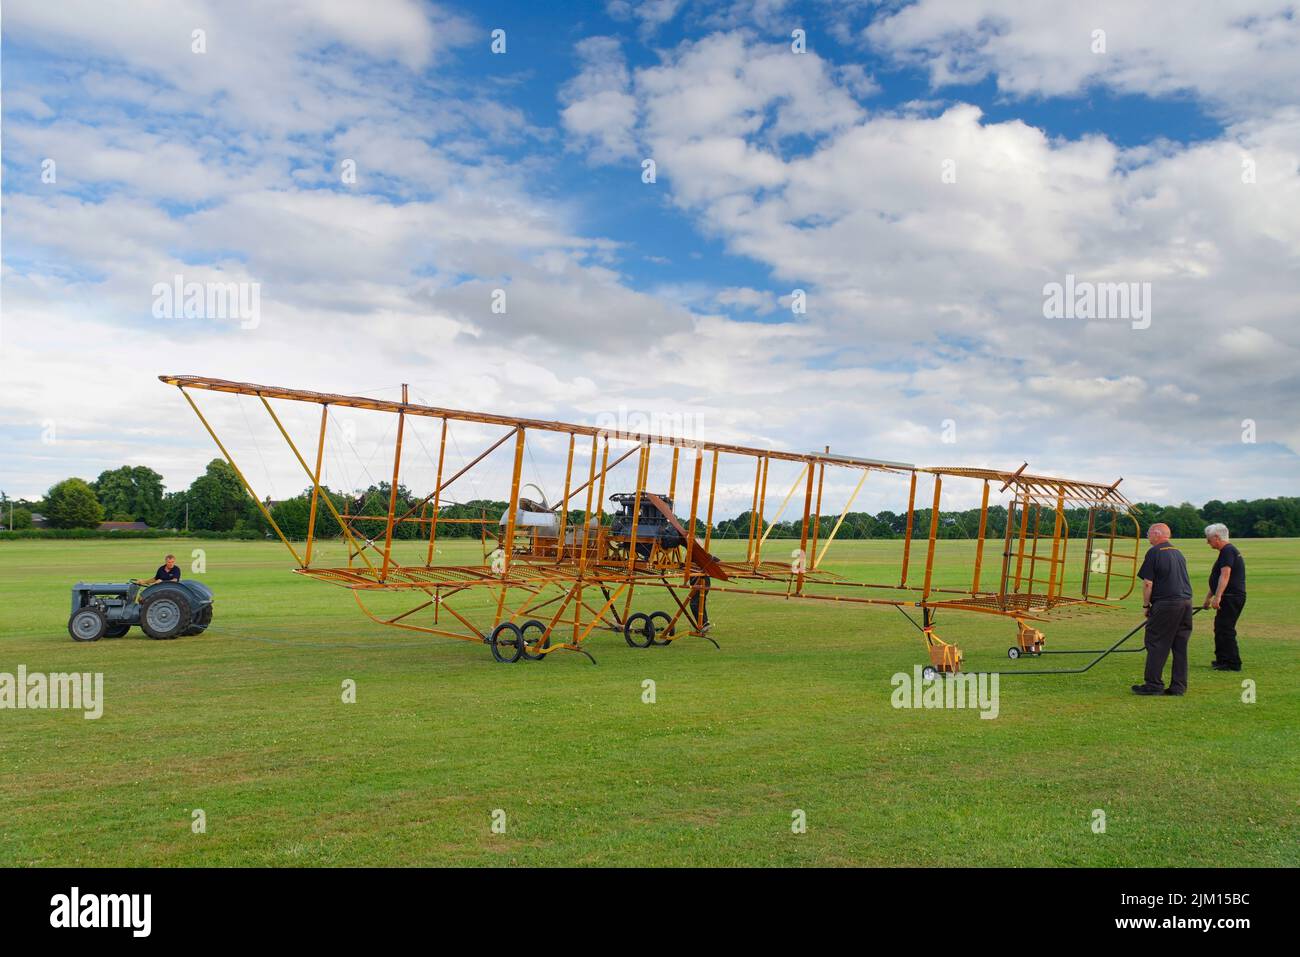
x: 507, y: 643
x: 639, y: 630
x: 666, y: 628
x: 531, y: 632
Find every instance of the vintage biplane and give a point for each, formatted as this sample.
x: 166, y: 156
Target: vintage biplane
x: 552, y: 574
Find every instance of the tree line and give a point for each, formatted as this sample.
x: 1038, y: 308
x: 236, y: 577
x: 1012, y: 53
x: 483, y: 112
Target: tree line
x: 1255, y: 518
x: 217, y: 502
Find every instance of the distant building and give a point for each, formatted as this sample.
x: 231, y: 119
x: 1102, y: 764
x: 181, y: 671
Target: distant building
x: 117, y: 526
x: 39, y: 520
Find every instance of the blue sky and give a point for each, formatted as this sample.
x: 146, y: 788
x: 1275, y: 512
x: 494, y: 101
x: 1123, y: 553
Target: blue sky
x: 1121, y: 143
x: 540, y: 61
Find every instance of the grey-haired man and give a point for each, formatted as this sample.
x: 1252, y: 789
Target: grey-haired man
x: 1227, y: 596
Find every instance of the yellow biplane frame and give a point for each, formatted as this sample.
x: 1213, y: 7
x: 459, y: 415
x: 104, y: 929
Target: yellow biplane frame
x: 531, y: 572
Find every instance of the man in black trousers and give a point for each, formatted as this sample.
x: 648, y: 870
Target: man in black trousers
x: 1227, y: 595
x: 1167, y: 598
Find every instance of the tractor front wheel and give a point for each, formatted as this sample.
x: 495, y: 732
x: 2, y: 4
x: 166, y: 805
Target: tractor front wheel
x: 87, y: 624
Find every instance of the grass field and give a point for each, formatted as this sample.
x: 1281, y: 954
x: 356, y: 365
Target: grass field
x: 794, y: 712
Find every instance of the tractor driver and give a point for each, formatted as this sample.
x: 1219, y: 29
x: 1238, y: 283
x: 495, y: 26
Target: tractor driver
x: 168, y: 571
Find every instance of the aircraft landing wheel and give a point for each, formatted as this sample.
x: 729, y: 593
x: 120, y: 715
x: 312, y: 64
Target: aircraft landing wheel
x: 639, y: 631
x: 507, y: 643
x: 666, y: 628
x: 1013, y: 653
x: 531, y: 632
x: 929, y: 672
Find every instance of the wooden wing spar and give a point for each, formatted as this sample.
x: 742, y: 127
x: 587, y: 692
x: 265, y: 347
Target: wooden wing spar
x: 553, y: 574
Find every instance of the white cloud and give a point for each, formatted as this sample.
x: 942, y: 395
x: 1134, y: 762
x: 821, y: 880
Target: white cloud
x: 1243, y: 56
x: 942, y: 280
x: 725, y: 86
x: 651, y: 14
x: 252, y: 50
x: 599, y: 111
x: 924, y: 296
x: 763, y: 303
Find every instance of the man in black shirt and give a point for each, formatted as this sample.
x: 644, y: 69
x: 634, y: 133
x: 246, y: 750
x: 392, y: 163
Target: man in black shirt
x: 1227, y: 595
x: 168, y: 571
x: 1167, y: 598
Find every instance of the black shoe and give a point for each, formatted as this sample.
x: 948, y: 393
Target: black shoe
x: 1176, y: 694
x: 1147, y: 690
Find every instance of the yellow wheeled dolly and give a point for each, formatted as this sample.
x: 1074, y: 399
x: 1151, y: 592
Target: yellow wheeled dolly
x: 945, y: 658
x: 1029, y: 641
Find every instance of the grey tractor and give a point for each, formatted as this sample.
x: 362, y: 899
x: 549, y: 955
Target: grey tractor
x: 162, y: 610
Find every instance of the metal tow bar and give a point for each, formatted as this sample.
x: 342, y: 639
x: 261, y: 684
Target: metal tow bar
x: 1113, y: 649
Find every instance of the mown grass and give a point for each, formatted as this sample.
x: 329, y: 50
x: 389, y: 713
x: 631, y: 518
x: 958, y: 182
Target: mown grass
x: 794, y: 712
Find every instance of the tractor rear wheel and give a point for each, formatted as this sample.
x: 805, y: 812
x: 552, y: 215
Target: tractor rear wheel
x: 87, y: 624
x: 201, y: 621
x: 165, y: 614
